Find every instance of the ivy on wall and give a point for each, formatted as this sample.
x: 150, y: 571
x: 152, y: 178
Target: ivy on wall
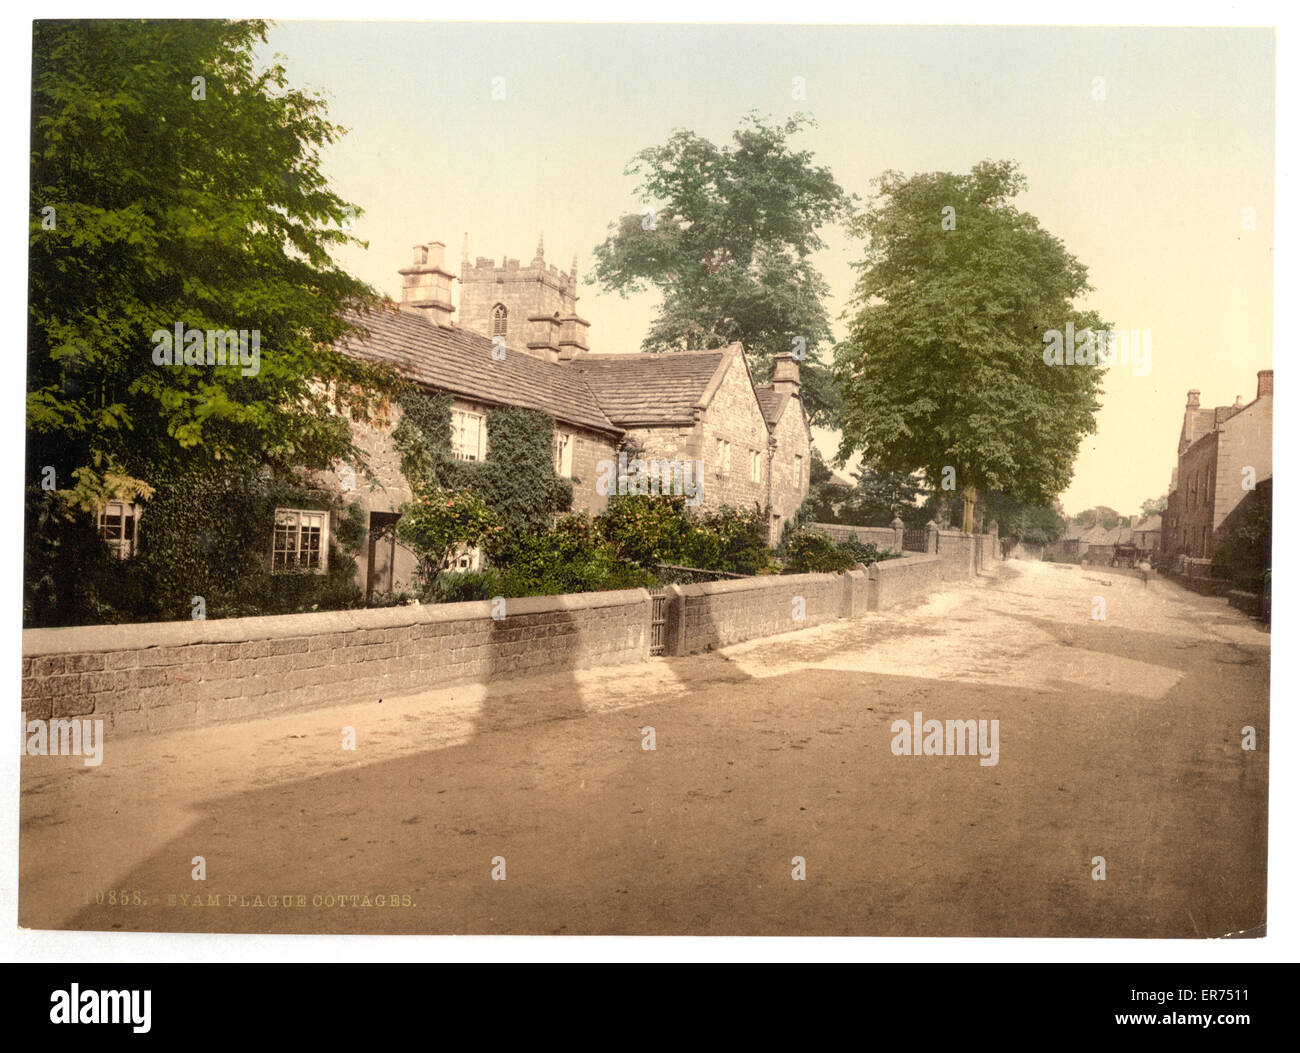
x: 517, y: 480
x: 205, y: 535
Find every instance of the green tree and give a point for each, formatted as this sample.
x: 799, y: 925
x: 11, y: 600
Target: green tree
x: 1154, y: 506
x: 173, y: 183
x: 1106, y: 518
x: 435, y: 523
x: 1035, y: 524
x: 726, y: 234
x: 944, y: 365
x: 878, y: 497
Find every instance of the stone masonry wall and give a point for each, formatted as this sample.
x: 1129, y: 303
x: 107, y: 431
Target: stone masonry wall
x: 733, y: 415
x: 702, y: 617
x: 176, y: 674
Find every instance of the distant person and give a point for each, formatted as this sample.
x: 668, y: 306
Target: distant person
x: 1145, y: 569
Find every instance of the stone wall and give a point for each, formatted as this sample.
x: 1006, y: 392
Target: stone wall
x: 895, y: 581
x: 881, y: 537
x: 175, y: 674
x: 702, y: 617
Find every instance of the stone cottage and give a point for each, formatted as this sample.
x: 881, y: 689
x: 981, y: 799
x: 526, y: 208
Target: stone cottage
x: 520, y: 342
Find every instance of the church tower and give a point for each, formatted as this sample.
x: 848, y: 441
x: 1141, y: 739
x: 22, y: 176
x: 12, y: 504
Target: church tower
x: 534, y: 308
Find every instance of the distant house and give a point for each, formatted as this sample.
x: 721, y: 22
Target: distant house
x: 1146, y: 536
x: 521, y: 343
x: 1223, y: 454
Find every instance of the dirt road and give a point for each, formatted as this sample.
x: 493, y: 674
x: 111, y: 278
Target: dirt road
x: 1118, y: 738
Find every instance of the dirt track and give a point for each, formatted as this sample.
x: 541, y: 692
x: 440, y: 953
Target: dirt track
x: 1118, y: 738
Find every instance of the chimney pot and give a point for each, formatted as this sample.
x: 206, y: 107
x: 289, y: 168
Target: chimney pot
x: 1194, y: 399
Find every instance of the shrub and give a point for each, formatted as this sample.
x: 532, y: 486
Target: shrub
x: 438, y: 522
x: 865, y: 552
x: 652, y: 529
x: 811, y: 551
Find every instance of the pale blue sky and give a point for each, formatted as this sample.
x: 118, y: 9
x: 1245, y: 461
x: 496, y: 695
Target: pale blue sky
x: 1146, y: 187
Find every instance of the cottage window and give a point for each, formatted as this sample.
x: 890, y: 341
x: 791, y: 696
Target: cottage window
x: 562, y: 453
x: 724, y: 456
x: 755, y: 466
x: 468, y: 435
x: 301, y: 540
x: 500, y: 319
x: 463, y: 559
x: 117, y: 522
x: 798, y: 470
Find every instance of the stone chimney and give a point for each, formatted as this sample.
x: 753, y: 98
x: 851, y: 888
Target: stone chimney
x: 426, y: 284
x: 1194, y: 399
x: 785, y: 374
x: 1237, y: 404
x: 1265, y: 384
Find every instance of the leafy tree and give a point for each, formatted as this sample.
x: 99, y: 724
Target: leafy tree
x: 1106, y: 518
x: 174, y: 184
x: 1035, y: 524
x: 726, y: 236
x: 877, y: 497
x: 944, y: 364
x: 438, y: 522
x: 1154, y: 506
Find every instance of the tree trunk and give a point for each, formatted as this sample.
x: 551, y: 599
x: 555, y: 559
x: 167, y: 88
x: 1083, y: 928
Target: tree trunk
x: 968, y: 510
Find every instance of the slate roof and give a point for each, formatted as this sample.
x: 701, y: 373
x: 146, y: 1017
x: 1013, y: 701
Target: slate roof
x: 772, y: 403
x: 1096, y: 535
x: 1151, y: 523
x: 647, y: 388
x: 460, y: 361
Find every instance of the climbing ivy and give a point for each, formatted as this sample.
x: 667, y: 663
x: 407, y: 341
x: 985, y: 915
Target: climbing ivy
x: 517, y: 480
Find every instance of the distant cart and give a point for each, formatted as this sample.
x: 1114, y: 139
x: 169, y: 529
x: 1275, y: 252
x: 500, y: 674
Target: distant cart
x: 1126, y: 556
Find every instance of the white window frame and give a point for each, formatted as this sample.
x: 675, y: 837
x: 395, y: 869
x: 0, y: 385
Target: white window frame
x: 465, y: 558
x: 755, y: 466
x: 724, y: 457
x: 122, y: 546
x: 468, y: 435
x: 287, y: 544
x: 562, y: 452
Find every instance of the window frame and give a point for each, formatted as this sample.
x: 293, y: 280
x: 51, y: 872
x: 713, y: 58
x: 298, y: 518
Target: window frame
x: 321, y: 518
x: 458, y: 449
x: 122, y: 547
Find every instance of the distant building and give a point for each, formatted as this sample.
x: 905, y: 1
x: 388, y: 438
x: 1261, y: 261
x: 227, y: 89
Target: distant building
x: 1223, y: 453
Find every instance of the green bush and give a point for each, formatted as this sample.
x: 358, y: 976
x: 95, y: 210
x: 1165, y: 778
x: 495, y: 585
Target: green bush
x: 652, y: 529
x: 865, y: 552
x: 811, y: 551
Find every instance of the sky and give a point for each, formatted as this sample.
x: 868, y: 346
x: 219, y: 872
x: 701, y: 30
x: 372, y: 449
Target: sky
x: 1148, y: 186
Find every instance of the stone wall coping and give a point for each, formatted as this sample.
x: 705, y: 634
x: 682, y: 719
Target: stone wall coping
x: 912, y: 559
x: 762, y: 581
x: 140, y: 635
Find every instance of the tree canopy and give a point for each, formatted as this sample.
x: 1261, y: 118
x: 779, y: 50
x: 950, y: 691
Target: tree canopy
x: 174, y: 184
x: 726, y: 234
x: 944, y: 365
